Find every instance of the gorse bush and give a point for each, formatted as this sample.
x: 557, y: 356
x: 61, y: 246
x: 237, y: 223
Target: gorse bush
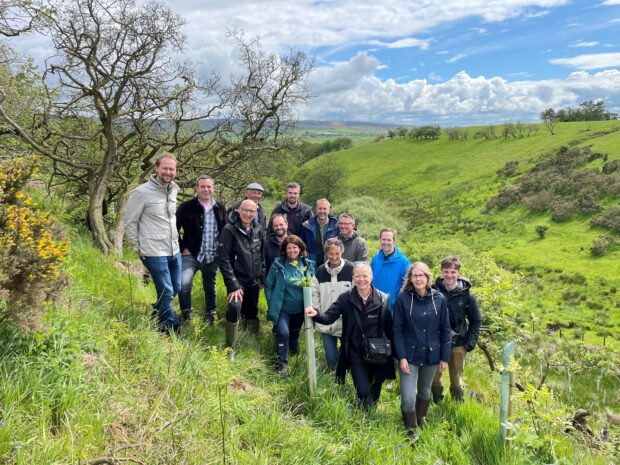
x: 33, y: 246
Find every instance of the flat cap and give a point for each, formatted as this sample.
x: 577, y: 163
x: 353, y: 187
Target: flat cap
x: 256, y: 187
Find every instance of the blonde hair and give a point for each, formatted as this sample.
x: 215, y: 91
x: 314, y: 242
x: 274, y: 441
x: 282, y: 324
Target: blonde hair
x: 423, y: 267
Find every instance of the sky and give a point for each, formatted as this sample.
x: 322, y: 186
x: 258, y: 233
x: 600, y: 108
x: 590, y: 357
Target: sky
x: 412, y: 62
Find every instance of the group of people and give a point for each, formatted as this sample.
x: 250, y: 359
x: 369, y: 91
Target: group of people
x: 427, y: 326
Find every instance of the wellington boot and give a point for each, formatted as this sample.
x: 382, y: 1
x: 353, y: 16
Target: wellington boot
x: 457, y: 394
x: 437, y: 392
x: 253, y: 327
x: 421, y: 409
x: 410, y: 421
x: 210, y: 316
x: 186, y: 315
x: 232, y: 337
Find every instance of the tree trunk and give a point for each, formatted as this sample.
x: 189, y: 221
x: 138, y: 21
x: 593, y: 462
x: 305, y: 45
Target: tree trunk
x: 97, y: 225
x: 117, y: 231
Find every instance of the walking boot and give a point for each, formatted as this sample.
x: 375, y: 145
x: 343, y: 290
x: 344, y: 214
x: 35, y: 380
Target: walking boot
x: 253, y: 327
x: 186, y: 315
x: 437, y: 392
x: 232, y: 336
x: 411, y: 422
x: 457, y: 394
x: 421, y: 409
x: 282, y: 369
x: 210, y: 316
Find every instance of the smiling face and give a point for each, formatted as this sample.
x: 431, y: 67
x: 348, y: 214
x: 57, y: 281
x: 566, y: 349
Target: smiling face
x: 292, y: 251
x: 334, y: 257
x: 346, y: 226
x: 292, y: 195
x: 247, y: 212
x: 254, y: 195
x: 166, y: 170
x: 362, y: 277
x: 419, y: 280
x: 450, y: 277
x: 279, y: 226
x: 387, y: 242
x: 204, y: 190
x: 322, y: 211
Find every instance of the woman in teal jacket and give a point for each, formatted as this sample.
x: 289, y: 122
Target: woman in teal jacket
x: 285, y: 299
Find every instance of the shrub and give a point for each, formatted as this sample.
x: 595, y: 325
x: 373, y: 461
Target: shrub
x: 610, y: 219
x: 601, y: 244
x: 541, y: 230
x: 32, y: 243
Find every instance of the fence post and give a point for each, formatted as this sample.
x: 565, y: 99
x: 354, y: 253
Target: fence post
x: 310, y: 355
x: 505, y: 407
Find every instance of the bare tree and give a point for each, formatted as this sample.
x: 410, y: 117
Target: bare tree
x: 549, y: 119
x: 116, y: 97
x: 17, y: 17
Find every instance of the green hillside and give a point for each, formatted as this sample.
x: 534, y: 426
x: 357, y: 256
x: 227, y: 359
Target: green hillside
x: 441, y: 188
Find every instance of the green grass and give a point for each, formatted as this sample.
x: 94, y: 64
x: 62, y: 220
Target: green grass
x: 100, y: 382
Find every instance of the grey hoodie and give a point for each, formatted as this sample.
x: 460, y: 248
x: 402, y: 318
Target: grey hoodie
x: 150, y: 221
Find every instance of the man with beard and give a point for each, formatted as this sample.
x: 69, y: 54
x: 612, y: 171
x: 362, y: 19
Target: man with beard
x: 316, y: 230
x: 275, y: 237
x: 293, y: 209
x: 151, y: 229
x: 355, y: 248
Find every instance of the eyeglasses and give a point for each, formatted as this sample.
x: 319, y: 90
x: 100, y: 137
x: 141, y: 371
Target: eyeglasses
x: 418, y: 276
x: 345, y: 224
x: 249, y: 210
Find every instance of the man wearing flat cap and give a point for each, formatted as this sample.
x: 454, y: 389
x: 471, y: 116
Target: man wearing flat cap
x: 253, y: 192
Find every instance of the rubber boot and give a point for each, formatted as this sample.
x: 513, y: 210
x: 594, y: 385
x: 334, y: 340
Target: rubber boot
x: 411, y: 422
x: 232, y: 336
x: 282, y: 369
x: 253, y: 327
x: 421, y: 409
x: 458, y: 394
x: 437, y: 392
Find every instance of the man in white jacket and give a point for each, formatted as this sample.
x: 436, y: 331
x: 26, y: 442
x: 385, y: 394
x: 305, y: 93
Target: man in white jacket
x: 150, y: 224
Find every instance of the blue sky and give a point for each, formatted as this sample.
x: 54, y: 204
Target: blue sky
x: 450, y: 62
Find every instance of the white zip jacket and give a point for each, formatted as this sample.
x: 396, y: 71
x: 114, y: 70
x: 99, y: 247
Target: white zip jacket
x: 150, y: 221
x: 327, y: 285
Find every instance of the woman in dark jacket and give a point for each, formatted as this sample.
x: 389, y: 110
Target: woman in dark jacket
x: 421, y: 341
x: 285, y: 297
x: 375, y: 320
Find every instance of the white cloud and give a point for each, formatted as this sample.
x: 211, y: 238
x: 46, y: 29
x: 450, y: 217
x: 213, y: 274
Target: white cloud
x: 434, y: 77
x: 403, y: 43
x: 611, y: 2
x: 582, y: 43
x: 456, y: 58
x: 442, y: 52
x: 462, y: 99
x: 591, y: 61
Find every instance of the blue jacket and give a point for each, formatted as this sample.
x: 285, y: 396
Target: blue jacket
x: 422, y: 328
x: 308, y: 235
x: 388, y: 274
x: 275, y: 283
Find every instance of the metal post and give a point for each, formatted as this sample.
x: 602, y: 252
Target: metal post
x: 505, y: 407
x: 310, y: 356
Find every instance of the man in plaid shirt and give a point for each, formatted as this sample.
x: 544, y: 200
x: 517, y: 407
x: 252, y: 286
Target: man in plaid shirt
x: 199, y: 222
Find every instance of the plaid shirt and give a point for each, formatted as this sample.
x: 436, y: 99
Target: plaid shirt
x: 208, y: 248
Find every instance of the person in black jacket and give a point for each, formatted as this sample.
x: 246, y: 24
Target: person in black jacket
x: 276, y: 234
x: 375, y: 320
x: 422, y: 342
x: 293, y: 209
x: 199, y: 222
x: 242, y: 262
x: 465, y: 322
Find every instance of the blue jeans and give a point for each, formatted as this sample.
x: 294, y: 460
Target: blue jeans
x: 287, y: 334
x: 209, y: 274
x: 330, y: 345
x: 419, y: 379
x: 166, y: 275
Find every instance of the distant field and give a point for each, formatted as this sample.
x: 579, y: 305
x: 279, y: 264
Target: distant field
x: 451, y: 182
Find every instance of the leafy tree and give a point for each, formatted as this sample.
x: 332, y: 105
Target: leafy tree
x: 549, y: 119
x: 116, y: 97
x: 323, y: 180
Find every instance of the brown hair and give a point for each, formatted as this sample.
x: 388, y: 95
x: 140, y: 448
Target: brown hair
x: 423, y: 267
x: 165, y: 155
x: 333, y: 243
x: 451, y: 262
x: 293, y: 239
x: 384, y: 230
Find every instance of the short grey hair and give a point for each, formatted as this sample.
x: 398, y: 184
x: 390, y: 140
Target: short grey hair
x: 203, y: 177
x: 293, y: 185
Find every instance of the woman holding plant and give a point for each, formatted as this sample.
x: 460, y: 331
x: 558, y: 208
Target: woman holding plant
x: 366, y: 316
x: 422, y: 342
x: 285, y: 300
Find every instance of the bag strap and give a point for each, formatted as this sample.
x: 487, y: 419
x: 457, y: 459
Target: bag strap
x: 359, y: 320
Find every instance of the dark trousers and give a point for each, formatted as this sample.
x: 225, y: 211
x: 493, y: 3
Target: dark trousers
x: 367, y: 380
x: 287, y: 334
x: 247, y: 308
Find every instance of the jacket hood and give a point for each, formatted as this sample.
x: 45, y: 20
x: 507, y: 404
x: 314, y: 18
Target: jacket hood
x: 414, y: 294
x: 156, y: 184
x: 353, y: 236
x: 465, y: 286
x: 394, y: 257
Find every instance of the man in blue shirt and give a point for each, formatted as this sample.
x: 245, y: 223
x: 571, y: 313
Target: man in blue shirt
x: 389, y: 265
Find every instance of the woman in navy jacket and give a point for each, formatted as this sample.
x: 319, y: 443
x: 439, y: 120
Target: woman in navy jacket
x: 421, y: 341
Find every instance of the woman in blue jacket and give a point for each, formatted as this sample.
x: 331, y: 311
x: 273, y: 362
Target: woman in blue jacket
x: 421, y: 341
x: 285, y: 298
